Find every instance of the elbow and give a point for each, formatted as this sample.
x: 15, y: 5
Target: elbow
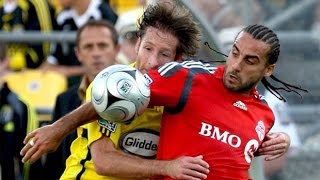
x: 103, y: 169
x: 102, y: 157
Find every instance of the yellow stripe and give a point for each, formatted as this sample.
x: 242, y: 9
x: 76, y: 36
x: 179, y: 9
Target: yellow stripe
x: 23, y: 4
x: 33, y: 54
x: 44, y: 17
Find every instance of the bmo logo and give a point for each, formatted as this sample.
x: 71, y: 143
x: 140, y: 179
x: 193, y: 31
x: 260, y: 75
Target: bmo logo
x: 231, y: 139
x: 225, y: 137
x: 140, y: 142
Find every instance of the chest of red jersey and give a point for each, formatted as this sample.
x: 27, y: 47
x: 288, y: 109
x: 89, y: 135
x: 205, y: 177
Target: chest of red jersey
x: 225, y: 127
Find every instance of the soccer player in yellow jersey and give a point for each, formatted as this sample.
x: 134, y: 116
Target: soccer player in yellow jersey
x: 166, y: 32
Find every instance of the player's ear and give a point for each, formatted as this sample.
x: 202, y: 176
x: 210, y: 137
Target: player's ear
x: 76, y: 51
x: 269, y: 70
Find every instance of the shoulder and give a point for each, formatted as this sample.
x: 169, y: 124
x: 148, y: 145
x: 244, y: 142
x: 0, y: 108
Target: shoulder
x: 107, y: 12
x: 262, y: 99
x: 195, y: 67
x: 102, y: 5
x: 64, y: 15
x: 199, y: 67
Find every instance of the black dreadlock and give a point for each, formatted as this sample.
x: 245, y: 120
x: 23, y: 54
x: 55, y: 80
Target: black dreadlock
x: 260, y: 32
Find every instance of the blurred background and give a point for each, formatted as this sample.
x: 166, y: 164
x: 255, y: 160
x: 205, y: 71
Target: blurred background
x: 32, y: 33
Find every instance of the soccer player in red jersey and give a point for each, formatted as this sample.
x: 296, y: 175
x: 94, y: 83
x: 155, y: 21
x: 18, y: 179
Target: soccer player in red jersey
x: 216, y: 111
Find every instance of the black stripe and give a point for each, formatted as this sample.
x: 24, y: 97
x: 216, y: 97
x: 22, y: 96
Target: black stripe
x: 184, y: 95
x: 82, y: 162
x: 84, y: 133
x: 198, y: 70
x: 102, y: 129
x: 88, y: 157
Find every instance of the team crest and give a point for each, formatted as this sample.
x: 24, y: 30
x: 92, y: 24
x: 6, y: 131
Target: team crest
x: 111, y: 126
x: 260, y: 129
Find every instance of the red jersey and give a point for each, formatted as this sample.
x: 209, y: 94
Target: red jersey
x: 202, y: 117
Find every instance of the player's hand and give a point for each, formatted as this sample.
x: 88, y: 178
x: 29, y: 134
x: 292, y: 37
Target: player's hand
x: 39, y: 142
x: 188, y: 168
x: 274, y: 145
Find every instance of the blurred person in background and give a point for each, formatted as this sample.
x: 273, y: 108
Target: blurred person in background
x: 74, y: 14
x: 127, y: 28
x: 123, y: 6
x: 96, y: 48
x: 26, y: 15
x: 15, y: 117
x: 56, y: 6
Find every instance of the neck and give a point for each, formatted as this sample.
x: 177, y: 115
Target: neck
x: 80, y: 6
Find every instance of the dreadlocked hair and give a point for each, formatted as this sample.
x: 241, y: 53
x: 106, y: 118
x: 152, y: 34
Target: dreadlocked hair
x: 260, y: 32
x: 176, y: 20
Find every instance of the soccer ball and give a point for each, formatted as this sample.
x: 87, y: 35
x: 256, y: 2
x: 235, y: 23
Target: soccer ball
x: 120, y: 93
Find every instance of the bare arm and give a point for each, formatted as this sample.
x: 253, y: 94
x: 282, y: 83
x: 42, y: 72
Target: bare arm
x: 48, y: 138
x: 111, y: 162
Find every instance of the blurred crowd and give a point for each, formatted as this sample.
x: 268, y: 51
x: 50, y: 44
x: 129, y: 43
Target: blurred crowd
x: 33, y: 75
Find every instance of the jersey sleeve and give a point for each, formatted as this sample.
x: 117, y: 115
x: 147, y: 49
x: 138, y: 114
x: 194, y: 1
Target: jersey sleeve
x: 167, y: 84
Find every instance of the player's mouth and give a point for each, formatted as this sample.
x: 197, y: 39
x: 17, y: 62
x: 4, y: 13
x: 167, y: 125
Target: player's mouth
x: 97, y: 64
x: 232, y: 78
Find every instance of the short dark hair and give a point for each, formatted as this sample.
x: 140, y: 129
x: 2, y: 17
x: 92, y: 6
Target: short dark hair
x: 176, y: 20
x: 98, y: 23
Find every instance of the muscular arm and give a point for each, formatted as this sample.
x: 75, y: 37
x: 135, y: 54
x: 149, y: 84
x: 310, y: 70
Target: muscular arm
x: 80, y: 116
x: 111, y: 162
x: 48, y: 138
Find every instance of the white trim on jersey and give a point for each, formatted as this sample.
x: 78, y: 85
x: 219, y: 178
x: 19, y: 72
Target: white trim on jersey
x: 189, y: 65
x: 165, y: 68
x: 198, y: 64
